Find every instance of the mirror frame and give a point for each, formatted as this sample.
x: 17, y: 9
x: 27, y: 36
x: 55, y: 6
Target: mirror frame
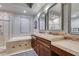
x: 39, y: 21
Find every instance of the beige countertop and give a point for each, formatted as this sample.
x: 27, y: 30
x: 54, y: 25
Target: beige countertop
x: 49, y: 37
x: 68, y: 45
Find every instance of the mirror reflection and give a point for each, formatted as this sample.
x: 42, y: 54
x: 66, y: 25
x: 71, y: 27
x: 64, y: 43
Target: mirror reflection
x: 55, y: 18
x: 75, y: 18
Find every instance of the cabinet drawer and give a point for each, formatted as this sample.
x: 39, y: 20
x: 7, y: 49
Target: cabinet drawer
x: 44, y: 40
x: 44, y: 51
x: 44, y: 44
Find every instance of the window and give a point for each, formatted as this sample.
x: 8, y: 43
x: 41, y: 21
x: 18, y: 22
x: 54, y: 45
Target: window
x: 21, y: 26
x: 74, y: 18
x: 55, y: 18
x: 25, y: 24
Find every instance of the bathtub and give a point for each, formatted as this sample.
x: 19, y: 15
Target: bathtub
x: 17, y: 44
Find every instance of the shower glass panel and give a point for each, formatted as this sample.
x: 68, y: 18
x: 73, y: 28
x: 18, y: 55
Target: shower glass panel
x: 13, y: 25
x: 55, y: 18
x: 74, y: 18
x: 4, y: 28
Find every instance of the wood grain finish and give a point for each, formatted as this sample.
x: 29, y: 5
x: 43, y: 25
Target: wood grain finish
x: 44, y: 49
x: 60, y: 52
x: 41, y: 46
x: 44, y: 40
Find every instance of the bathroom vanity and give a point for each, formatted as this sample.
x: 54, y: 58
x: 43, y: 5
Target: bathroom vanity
x: 42, y: 44
x: 54, y: 45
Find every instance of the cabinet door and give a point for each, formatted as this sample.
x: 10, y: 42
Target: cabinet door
x: 41, y: 53
x: 44, y: 51
x: 37, y: 47
x: 33, y: 42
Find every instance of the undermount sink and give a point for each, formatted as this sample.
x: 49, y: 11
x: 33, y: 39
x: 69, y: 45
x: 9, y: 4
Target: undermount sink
x: 54, y: 37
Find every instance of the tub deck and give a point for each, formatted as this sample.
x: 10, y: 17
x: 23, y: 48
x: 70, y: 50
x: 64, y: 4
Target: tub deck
x: 17, y: 44
x: 19, y: 38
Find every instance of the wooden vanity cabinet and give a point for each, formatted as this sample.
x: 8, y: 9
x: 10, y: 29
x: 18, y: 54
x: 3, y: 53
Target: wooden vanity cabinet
x: 41, y: 46
x: 43, y: 49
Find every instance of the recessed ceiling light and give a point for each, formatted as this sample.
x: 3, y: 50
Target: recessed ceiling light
x: 0, y: 6
x: 24, y: 11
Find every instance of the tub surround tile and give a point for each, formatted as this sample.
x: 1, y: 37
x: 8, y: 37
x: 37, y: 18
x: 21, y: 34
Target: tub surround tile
x: 20, y: 38
x: 17, y: 44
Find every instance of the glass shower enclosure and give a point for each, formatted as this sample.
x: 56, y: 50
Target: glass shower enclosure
x: 4, y: 28
x: 13, y: 26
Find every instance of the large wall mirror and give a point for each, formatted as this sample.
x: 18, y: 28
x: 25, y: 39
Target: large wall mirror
x: 74, y: 18
x: 55, y: 18
x: 42, y: 22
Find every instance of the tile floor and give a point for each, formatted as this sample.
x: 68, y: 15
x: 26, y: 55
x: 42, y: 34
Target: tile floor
x: 27, y: 53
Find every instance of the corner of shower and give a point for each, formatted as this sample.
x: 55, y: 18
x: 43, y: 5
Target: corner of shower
x: 4, y: 32
x: 13, y: 27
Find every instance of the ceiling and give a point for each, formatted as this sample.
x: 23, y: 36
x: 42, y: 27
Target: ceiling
x: 37, y: 6
x: 21, y: 7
